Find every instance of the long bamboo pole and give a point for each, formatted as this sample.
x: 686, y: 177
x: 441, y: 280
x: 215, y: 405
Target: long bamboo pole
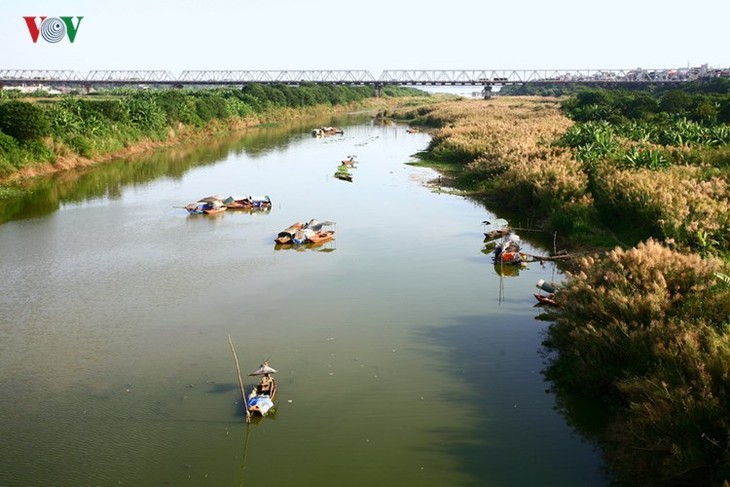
x: 240, y: 381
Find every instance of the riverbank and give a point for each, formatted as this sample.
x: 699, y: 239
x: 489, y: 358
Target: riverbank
x: 180, y: 135
x: 42, y: 134
x: 643, y: 327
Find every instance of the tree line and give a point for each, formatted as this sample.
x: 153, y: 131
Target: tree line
x: 40, y: 128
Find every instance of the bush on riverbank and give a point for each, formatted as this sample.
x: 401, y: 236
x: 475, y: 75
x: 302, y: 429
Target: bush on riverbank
x: 646, y: 330
x: 630, y: 160
x: 38, y: 131
x: 504, y: 149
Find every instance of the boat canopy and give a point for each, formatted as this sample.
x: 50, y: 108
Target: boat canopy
x: 498, y: 223
x: 210, y: 199
x: 263, y: 369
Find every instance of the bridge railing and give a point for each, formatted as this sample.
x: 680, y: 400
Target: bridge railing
x: 413, y: 77
x: 278, y: 76
x: 477, y: 77
x: 40, y: 74
x: 133, y: 76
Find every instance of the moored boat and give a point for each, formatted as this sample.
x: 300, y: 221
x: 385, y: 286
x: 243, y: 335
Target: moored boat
x: 321, y: 235
x: 548, y: 299
x: 550, y: 288
x: 343, y: 173
x: 247, y: 202
x: 498, y: 228
x: 261, y: 399
x: 319, y: 132
x: 286, y: 235
x: 209, y: 205
x: 509, y: 252
x: 349, y: 162
x: 312, y: 232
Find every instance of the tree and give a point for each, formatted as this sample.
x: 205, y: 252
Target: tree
x: 23, y: 120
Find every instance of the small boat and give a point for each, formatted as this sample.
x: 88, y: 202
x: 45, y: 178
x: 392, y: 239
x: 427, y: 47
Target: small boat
x: 342, y: 173
x: 313, y: 232
x: 550, y: 288
x: 319, y: 132
x: 412, y: 130
x: 509, y: 252
x: 499, y: 228
x: 261, y: 399
x: 548, y: 299
x: 247, y: 202
x: 321, y: 235
x: 214, y: 208
x: 349, y: 162
x: 286, y: 235
x: 209, y: 205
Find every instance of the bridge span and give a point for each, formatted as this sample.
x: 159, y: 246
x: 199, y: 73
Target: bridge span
x: 487, y: 78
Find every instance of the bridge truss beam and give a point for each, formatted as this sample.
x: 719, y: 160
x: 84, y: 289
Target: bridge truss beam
x: 410, y: 77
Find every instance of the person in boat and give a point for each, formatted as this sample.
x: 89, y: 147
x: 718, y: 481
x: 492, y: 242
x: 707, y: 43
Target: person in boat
x: 266, y: 383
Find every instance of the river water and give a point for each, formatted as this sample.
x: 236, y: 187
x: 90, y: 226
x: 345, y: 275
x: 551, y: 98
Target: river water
x: 404, y: 356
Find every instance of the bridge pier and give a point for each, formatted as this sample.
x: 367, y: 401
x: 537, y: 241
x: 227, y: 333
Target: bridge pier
x: 378, y: 87
x: 487, y: 92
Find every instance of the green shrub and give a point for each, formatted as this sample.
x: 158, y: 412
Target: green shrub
x: 23, y: 120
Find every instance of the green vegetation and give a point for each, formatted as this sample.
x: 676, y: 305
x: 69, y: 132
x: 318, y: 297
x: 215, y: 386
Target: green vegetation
x: 41, y: 129
x: 643, y: 329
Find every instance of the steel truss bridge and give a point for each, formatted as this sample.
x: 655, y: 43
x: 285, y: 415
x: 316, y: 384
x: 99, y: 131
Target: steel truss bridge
x: 466, y: 77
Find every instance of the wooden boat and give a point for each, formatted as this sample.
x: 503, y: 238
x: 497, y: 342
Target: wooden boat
x: 209, y: 205
x: 349, y: 162
x: 247, y: 203
x: 500, y: 228
x: 261, y: 399
x: 319, y: 132
x: 313, y: 232
x: 502, y: 232
x: 212, y: 210
x: 342, y: 173
x: 548, y: 299
x: 286, y: 235
x: 550, y: 288
x: 321, y: 235
x: 509, y: 252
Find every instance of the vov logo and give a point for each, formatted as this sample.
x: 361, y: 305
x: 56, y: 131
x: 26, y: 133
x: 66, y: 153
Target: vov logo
x: 53, y: 29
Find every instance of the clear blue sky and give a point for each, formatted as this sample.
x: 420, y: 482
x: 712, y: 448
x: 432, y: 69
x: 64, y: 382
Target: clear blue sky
x: 373, y: 35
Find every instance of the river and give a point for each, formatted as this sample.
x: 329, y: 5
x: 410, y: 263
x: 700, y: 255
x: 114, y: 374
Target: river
x: 404, y: 356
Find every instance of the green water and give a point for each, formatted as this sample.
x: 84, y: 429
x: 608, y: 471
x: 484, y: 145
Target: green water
x: 404, y: 358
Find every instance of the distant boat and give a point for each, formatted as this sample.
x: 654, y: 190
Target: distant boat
x: 313, y: 232
x: 286, y: 235
x: 343, y: 173
x: 247, y: 203
x: 498, y: 228
x: 209, y: 205
x: 321, y: 235
x: 550, y: 288
x: 349, y: 162
x: 261, y: 399
x: 546, y: 299
x: 319, y: 132
x: 509, y: 252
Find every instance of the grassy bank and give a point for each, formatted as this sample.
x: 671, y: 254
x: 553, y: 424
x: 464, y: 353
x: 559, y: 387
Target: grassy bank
x: 40, y: 134
x: 645, y: 327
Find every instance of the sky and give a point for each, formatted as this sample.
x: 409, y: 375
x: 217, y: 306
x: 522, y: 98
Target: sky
x: 373, y: 35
